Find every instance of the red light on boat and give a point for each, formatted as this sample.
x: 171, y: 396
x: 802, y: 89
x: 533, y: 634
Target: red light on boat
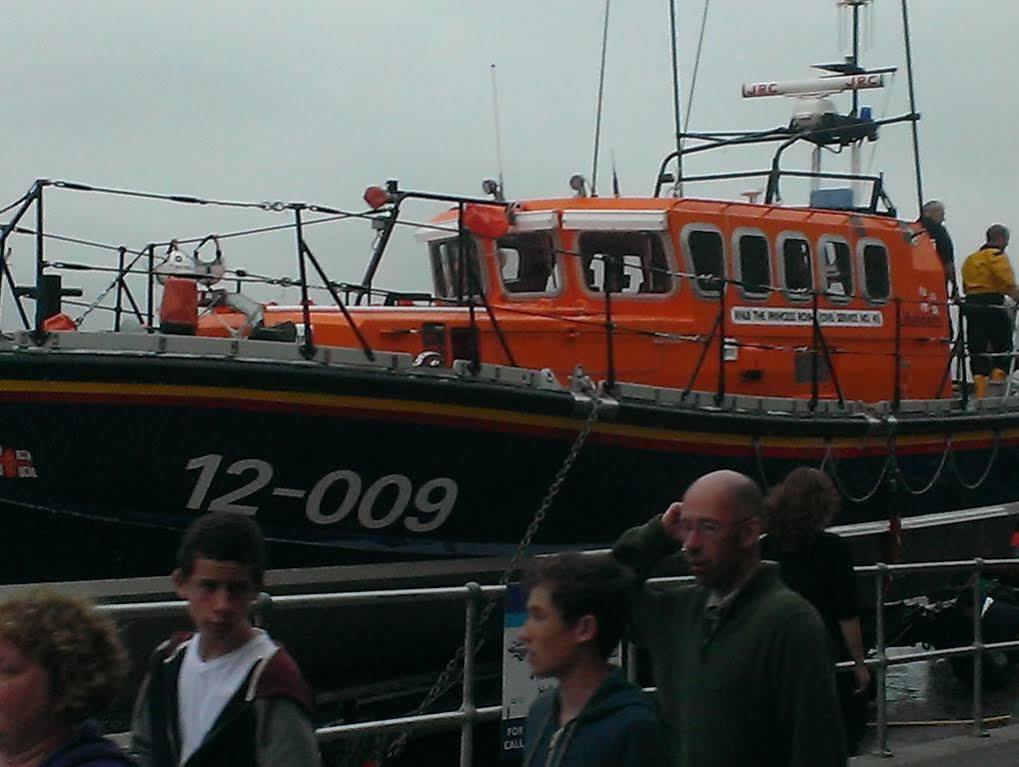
x: 486, y: 220
x: 376, y: 197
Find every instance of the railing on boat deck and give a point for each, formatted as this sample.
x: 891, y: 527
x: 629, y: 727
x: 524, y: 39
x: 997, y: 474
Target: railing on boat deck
x: 469, y: 714
x: 471, y: 293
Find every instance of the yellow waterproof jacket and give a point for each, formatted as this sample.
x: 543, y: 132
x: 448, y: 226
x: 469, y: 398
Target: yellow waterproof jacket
x: 987, y: 271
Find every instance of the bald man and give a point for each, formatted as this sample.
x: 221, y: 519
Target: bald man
x: 744, y: 671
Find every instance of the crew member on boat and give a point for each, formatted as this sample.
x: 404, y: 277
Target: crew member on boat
x: 933, y: 220
x: 987, y: 277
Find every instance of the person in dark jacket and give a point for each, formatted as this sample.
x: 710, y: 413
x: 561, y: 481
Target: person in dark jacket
x: 744, y: 672
x: 60, y: 664
x: 933, y: 220
x: 818, y: 565
x: 577, y: 608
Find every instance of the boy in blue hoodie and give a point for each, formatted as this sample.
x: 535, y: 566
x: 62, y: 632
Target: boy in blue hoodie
x: 577, y: 607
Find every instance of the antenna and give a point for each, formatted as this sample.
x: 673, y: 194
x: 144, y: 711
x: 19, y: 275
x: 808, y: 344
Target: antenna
x: 498, y: 135
x: 677, y: 190
x: 601, y: 91
x: 615, y: 176
x: 912, y: 109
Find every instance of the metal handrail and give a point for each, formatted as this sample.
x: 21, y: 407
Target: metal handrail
x: 468, y: 715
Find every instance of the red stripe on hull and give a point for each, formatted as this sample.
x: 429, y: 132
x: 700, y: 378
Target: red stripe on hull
x: 815, y: 452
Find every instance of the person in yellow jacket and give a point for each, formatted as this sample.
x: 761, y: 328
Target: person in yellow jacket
x: 987, y: 278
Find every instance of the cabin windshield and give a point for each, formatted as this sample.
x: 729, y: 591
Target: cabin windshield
x: 450, y: 282
x: 527, y: 263
x: 625, y: 262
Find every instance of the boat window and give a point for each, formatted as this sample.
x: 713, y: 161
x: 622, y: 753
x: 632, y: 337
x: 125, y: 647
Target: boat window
x: 754, y: 265
x: 632, y: 262
x: 445, y: 256
x: 875, y: 271
x: 527, y: 263
x: 837, y: 268
x: 707, y: 259
x: 796, y: 267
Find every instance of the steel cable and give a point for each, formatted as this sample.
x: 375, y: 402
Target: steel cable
x: 833, y: 471
x: 987, y: 471
x: 937, y: 472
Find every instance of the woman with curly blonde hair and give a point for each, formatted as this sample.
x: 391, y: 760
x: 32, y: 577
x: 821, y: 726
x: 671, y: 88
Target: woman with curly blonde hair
x: 819, y: 565
x: 60, y: 664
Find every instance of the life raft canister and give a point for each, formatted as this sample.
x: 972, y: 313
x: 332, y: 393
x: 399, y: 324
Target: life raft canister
x: 178, y: 311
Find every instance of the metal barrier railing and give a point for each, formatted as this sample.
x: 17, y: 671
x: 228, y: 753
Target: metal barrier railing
x: 468, y: 714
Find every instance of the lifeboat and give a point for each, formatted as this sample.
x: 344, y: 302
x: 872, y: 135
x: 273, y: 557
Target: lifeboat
x: 566, y: 368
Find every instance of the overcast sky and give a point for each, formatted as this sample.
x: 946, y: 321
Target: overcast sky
x: 313, y: 101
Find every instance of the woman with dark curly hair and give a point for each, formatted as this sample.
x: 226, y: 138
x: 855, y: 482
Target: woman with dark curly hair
x: 819, y: 566
x: 60, y: 663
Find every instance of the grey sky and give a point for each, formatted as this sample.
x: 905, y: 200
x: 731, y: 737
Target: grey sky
x: 313, y: 101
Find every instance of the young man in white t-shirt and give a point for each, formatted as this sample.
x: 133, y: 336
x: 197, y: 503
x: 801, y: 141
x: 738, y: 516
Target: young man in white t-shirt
x: 227, y: 695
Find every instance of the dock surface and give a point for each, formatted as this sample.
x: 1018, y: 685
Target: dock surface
x: 999, y: 748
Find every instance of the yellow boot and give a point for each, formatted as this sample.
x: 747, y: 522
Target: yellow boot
x: 996, y: 386
x: 979, y: 386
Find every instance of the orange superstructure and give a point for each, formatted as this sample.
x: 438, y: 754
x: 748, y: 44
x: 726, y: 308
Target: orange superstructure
x: 873, y: 284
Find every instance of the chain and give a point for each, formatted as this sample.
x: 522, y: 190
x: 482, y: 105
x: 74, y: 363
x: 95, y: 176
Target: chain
x: 453, y: 670
x: 99, y: 299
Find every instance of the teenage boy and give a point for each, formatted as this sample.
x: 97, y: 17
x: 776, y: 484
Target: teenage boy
x: 577, y: 607
x: 227, y: 695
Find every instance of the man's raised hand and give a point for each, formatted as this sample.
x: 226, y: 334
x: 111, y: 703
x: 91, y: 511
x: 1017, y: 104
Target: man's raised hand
x: 670, y: 521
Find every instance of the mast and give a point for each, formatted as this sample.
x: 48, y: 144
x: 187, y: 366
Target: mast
x: 498, y: 136
x: 912, y: 108
x: 601, y: 93
x: 678, y: 188
x: 853, y: 68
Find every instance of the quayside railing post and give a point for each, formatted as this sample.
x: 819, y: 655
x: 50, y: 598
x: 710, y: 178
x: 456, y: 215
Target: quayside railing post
x: 467, y: 705
x: 881, y: 658
x: 978, y: 649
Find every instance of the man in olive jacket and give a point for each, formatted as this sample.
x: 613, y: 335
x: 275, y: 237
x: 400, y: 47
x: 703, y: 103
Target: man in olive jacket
x: 744, y: 672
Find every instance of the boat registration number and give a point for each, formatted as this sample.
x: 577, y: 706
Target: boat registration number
x: 334, y: 497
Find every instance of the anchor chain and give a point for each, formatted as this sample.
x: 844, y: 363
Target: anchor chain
x: 452, y: 672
